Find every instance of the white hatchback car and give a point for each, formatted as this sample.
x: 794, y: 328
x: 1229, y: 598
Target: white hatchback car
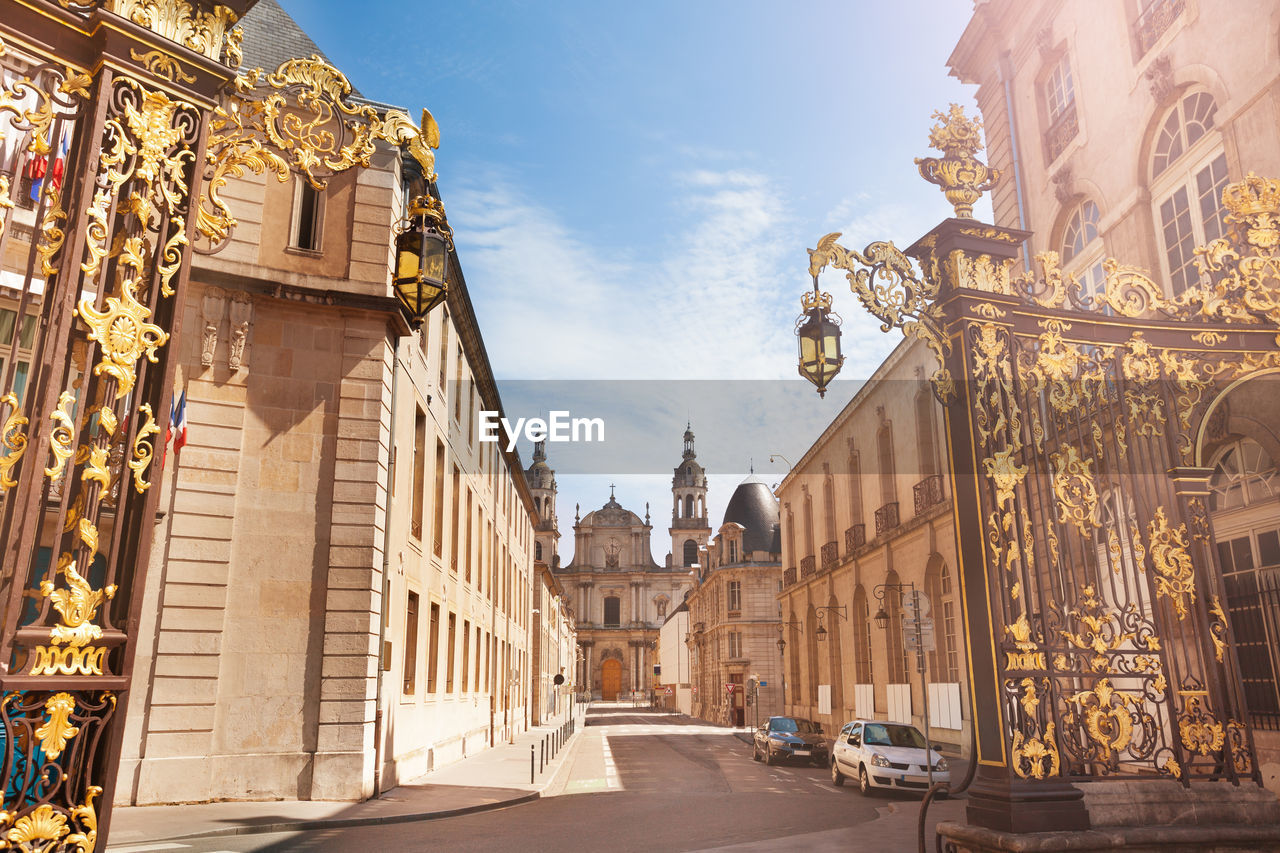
x: 885, y: 755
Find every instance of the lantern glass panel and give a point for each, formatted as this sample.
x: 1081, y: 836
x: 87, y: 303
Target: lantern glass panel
x: 433, y: 257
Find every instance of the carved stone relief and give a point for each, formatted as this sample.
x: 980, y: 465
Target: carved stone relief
x: 211, y: 308
x: 241, y: 316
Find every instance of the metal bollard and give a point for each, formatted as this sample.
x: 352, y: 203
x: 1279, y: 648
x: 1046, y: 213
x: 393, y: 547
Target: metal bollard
x: 542, y: 759
x: 531, y: 764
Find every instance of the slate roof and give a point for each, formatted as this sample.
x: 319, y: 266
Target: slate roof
x: 756, y: 509
x: 272, y: 36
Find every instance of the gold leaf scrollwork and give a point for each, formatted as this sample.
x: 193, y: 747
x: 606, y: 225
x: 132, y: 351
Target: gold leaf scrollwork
x: 61, y: 436
x: 1172, y: 767
x: 123, y: 333
x: 13, y: 442
x: 1174, y: 572
x: 178, y: 21
x: 162, y: 65
x: 1218, y: 630
x: 57, y: 729
x: 1199, y: 730
x: 77, y: 605
x: 1031, y: 754
x: 1146, y: 413
x: 6, y: 202
x: 43, y: 824
x: 1005, y: 473
x: 1108, y: 717
x: 1139, y: 363
x: 51, y: 236
x: 886, y: 284
x: 1077, y: 497
x: 1209, y: 338
x: 1102, y: 631
x: 87, y: 816
x: 143, y: 450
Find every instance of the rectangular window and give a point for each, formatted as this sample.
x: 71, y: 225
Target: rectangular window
x: 411, y: 645
x: 465, y: 551
x: 457, y: 512
x: 437, y: 529
x: 419, y: 473
x: 1192, y: 215
x: 466, y: 652
x: 612, y: 611
x: 735, y: 596
x: 1059, y: 91
x: 444, y: 346
x: 433, y: 648
x: 457, y: 391
x: 735, y: 644
x: 475, y: 674
x: 452, y: 645
x: 308, y: 209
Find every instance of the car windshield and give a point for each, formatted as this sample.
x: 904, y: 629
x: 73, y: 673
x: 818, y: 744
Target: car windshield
x: 787, y: 724
x: 881, y: 735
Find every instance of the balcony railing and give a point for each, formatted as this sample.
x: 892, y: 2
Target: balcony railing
x: 855, y: 537
x: 1061, y: 132
x: 830, y: 556
x: 1154, y: 20
x: 928, y: 492
x: 807, y: 567
x: 887, y: 518
x: 789, y: 576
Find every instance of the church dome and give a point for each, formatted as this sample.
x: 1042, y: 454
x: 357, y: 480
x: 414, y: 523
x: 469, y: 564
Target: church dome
x: 756, y: 509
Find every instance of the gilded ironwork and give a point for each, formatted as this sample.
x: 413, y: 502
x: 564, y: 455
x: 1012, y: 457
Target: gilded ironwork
x: 1115, y: 720
x: 51, y: 235
x: 57, y: 730
x: 62, y: 435
x: 13, y: 442
x: 1030, y: 754
x: 6, y: 201
x: 77, y: 604
x: 1073, y: 486
x: 886, y: 284
x: 143, y: 449
x: 1168, y: 550
x: 962, y: 176
x: 178, y: 21
x: 162, y: 65
x: 1198, y: 729
x: 1218, y: 630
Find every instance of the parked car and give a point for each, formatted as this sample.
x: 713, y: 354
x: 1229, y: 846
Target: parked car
x: 790, y: 737
x: 885, y: 755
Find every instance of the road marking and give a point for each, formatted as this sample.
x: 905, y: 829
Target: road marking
x: 610, y: 769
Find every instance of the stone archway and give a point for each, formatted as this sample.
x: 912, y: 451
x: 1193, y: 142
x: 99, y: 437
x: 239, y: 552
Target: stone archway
x: 610, y: 679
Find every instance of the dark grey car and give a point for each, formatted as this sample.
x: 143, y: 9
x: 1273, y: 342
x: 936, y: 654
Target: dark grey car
x: 791, y: 738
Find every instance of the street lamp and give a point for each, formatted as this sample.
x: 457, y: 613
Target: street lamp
x: 882, y: 619
x: 423, y: 241
x: 821, y: 632
x: 818, y: 332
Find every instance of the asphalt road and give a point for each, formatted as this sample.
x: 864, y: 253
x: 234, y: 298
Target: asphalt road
x: 634, y: 782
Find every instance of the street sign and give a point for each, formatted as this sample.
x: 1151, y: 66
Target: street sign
x: 728, y: 688
x: 909, y: 599
x: 764, y: 684
x: 667, y: 690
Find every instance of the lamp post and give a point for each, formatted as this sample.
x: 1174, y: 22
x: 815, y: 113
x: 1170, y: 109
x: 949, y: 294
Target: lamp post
x: 918, y: 602
x: 837, y: 609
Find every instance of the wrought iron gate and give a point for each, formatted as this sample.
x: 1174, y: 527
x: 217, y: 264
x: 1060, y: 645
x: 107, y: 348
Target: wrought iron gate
x: 120, y: 120
x: 1098, y: 643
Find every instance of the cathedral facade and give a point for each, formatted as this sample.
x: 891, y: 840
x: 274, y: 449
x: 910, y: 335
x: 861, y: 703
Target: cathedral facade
x: 619, y: 594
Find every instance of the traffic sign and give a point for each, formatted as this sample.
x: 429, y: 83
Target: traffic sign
x: 728, y: 688
x: 910, y: 599
x: 764, y: 684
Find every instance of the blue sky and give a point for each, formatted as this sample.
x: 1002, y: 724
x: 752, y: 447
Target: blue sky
x: 633, y: 186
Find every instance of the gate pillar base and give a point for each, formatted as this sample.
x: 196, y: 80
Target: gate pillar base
x: 1017, y: 806
x: 1140, y: 816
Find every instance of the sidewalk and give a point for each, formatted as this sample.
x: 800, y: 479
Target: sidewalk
x: 492, y: 779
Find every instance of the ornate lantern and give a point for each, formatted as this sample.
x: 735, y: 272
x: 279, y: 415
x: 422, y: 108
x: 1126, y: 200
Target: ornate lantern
x: 818, y: 331
x: 423, y: 241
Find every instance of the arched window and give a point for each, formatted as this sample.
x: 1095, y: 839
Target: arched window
x: 944, y: 659
x: 537, y: 550
x: 688, y: 506
x: 1243, y: 474
x: 861, y: 636
x: 1188, y: 173
x: 897, y: 648
x: 612, y: 611
x: 811, y: 647
x: 835, y: 660
x: 690, y: 552
x: 793, y: 668
x: 1082, y: 250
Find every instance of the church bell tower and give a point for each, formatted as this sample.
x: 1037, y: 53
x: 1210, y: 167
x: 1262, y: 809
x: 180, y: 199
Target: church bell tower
x: 689, y: 527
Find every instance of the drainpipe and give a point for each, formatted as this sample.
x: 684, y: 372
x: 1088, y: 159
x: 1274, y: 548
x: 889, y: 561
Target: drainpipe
x: 1005, y: 76
x: 386, y: 583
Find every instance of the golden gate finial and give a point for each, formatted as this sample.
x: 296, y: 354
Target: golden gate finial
x: 962, y: 176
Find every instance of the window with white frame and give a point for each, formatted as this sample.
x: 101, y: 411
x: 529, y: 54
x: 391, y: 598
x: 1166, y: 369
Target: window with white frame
x: 308, y: 213
x: 1082, y: 250
x: 1188, y: 174
x: 735, y: 596
x: 25, y: 332
x: 1060, y: 108
x: 735, y: 644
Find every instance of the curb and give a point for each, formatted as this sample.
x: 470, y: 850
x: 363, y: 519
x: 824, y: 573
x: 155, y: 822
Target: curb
x: 340, y: 823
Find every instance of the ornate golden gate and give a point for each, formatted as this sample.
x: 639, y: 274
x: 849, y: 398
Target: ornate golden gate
x: 119, y: 122
x: 1098, y: 646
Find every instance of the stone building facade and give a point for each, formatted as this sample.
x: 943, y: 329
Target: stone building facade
x: 1118, y: 129
x: 867, y: 510
x: 734, y: 621
x: 342, y: 577
x: 619, y: 595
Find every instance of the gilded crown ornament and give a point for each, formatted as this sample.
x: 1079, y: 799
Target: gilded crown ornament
x: 962, y: 176
x: 1253, y: 206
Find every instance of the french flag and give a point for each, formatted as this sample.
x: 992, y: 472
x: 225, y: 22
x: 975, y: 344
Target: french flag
x: 177, y: 422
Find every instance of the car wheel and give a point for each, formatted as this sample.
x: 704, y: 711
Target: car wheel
x: 768, y: 755
x: 864, y: 781
x: 837, y: 778
x: 755, y: 752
